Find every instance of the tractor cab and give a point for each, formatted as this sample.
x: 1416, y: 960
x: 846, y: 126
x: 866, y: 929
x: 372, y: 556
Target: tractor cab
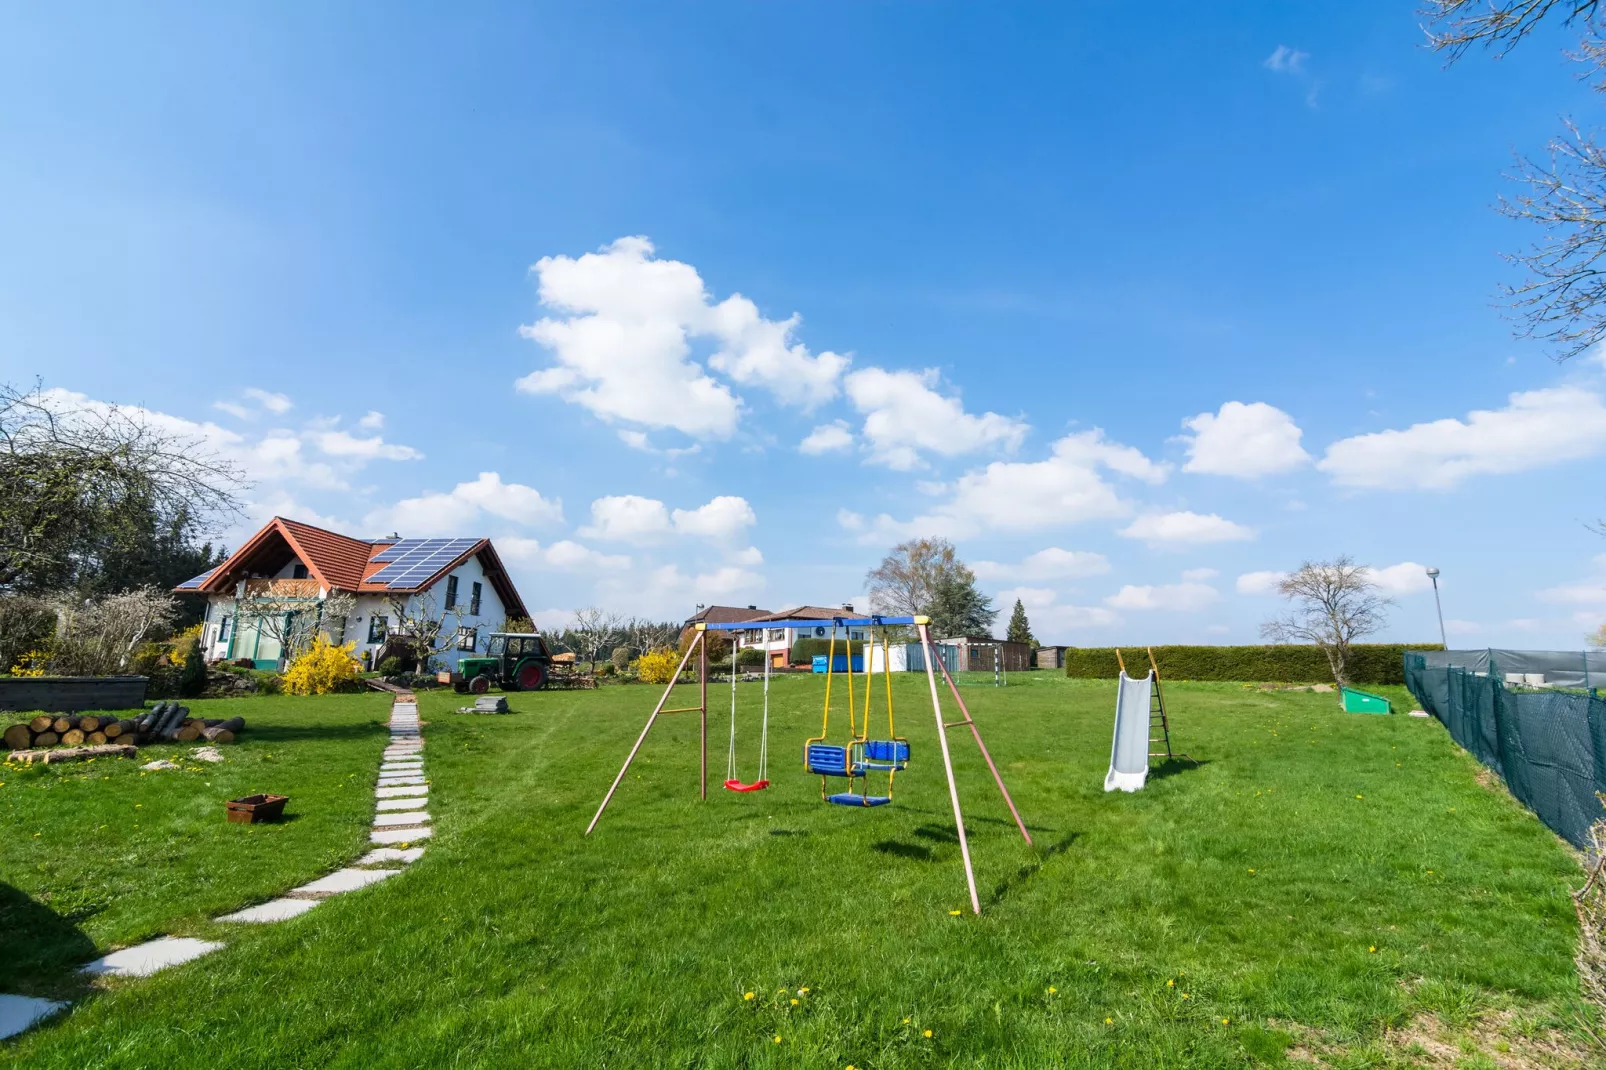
x: 513, y: 661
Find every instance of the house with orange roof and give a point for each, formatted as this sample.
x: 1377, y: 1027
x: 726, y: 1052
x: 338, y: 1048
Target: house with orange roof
x: 460, y: 581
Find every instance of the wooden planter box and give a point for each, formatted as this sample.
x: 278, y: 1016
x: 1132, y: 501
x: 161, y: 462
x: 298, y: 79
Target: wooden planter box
x: 72, y: 694
x: 254, y: 809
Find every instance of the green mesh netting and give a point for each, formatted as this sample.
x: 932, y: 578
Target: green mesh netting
x: 1549, y: 746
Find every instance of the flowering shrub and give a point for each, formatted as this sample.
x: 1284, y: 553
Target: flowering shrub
x: 657, y: 666
x: 322, y: 669
x: 32, y: 663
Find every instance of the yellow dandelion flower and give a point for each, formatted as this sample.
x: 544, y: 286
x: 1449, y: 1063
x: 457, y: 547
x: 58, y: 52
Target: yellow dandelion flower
x: 777, y: 1038
x: 1109, y: 1021
x: 1171, y: 983
x: 1224, y: 1021
x: 1186, y: 996
x: 1360, y: 796
x: 1372, y: 949
x: 955, y: 913
x: 928, y: 1033
x: 1251, y: 871
x: 747, y: 995
x: 1052, y: 990
x: 803, y: 991
x: 905, y: 1021
x: 795, y: 1001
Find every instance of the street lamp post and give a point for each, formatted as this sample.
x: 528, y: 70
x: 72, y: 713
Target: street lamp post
x: 1433, y: 574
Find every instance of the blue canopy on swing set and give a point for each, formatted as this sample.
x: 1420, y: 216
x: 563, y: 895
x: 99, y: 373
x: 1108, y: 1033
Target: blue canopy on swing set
x: 835, y: 622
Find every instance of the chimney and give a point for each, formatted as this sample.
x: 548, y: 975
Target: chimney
x: 848, y: 606
x: 752, y: 607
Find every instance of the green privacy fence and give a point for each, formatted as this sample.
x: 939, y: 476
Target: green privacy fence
x: 1283, y: 663
x: 1549, y: 746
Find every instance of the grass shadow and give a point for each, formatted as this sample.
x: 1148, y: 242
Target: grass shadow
x: 1173, y: 766
x: 284, y: 733
x: 914, y: 852
x: 40, y: 949
x: 938, y: 833
x: 1032, y: 868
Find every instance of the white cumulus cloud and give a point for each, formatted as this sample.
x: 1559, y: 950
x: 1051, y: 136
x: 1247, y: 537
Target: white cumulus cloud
x: 621, y: 337
x: 1535, y: 429
x: 1016, y: 496
x: 1179, y: 597
x: 1407, y: 577
x: 1244, y: 441
x: 342, y: 444
x: 1286, y: 60
x: 833, y: 437
x: 1263, y: 582
x: 278, y: 404
x: 1052, y: 563
x: 462, y: 510
x: 1172, y: 530
x: 904, y: 415
x: 632, y: 518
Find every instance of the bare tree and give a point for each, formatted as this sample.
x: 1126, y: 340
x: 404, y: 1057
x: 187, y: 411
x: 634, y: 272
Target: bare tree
x: 1334, y: 604
x: 909, y: 577
x: 1563, y: 300
x: 81, y: 482
x: 421, y: 624
x: 101, y: 637
x: 594, y: 629
x: 283, y: 611
x: 645, y: 636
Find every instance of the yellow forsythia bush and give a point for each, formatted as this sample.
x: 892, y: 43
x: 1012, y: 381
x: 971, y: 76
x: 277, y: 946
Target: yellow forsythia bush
x: 322, y: 669
x: 657, y: 666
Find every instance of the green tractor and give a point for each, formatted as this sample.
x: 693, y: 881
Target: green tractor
x: 513, y: 661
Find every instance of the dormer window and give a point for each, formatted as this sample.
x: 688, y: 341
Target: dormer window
x: 299, y: 572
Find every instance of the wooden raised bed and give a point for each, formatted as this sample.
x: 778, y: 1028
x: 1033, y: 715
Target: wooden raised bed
x: 70, y: 694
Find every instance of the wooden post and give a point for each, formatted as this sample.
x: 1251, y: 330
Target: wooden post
x: 702, y: 716
x: 643, y: 737
x: 948, y: 765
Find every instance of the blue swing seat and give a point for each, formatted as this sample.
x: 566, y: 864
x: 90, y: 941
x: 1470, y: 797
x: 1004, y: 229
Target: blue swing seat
x: 822, y: 759
x: 881, y: 755
x: 853, y: 798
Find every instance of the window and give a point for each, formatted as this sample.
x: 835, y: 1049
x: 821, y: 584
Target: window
x: 474, y: 598
x: 467, y: 638
x: 299, y: 572
x: 223, y: 629
x: 451, y: 592
x: 378, y: 627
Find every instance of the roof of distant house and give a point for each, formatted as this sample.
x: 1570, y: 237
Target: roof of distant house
x: 805, y: 613
x: 727, y: 615
x: 340, y: 562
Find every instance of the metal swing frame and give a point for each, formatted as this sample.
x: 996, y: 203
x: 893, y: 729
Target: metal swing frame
x: 922, y: 628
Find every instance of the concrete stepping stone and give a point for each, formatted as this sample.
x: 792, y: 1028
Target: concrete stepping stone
x: 399, y: 793
x: 344, y: 880
x: 407, y: 763
x: 400, y: 835
x: 390, y: 854
x: 397, y: 781
x: 145, y: 959
x: 272, y: 910
x: 401, y: 804
x: 401, y: 769
x: 411, y: 817
x: 19, y: 1012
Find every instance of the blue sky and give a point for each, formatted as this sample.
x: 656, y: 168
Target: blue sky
x: 1137, y: 306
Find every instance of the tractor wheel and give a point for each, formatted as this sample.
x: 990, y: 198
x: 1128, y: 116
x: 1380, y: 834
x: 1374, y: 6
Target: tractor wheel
x: 480, y: 684
x: 460, y: 687
x: 531, y: 676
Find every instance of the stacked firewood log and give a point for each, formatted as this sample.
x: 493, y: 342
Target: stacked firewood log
x: 166, y: 722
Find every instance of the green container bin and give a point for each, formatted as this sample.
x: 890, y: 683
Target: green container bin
x: 1365, y: 702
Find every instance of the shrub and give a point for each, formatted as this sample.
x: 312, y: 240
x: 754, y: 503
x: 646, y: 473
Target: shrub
x: 620, y: 658
x: 657, y: 666
x: 750, y: 656
x: 390, y: 666
x: 33, y: 662
x: 1370, y: 663
x: 268, y: 681
x: 27, y: 627
x: 322, y: 669
x: 192, y: 678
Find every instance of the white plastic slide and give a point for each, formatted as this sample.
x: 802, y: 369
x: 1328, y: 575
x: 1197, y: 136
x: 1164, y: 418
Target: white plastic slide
x: 1129, y: 754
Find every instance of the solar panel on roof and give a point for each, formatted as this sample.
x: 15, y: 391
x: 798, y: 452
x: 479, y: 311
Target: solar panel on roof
x: 412, y: 561
x: 195, y: 581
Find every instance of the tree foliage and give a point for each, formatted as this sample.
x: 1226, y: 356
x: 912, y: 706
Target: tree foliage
x: 1020, y: 629
x: 98, y: 498
x: 924, y: 577
x: 1334, y: 603
x: 958, y: 608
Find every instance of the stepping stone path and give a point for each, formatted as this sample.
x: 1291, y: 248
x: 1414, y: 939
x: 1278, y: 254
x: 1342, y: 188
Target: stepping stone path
x: 400, y: 820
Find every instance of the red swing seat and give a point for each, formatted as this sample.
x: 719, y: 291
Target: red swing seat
x: 737, y: 785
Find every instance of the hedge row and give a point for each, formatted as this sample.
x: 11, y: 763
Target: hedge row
x: 1371, y: 663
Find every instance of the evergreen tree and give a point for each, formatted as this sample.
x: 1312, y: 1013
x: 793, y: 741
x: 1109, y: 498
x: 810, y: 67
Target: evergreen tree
x: 957, y: 608
x: 1020, y: 629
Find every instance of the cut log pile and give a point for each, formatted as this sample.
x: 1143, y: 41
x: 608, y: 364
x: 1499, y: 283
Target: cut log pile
x: 166, y: 722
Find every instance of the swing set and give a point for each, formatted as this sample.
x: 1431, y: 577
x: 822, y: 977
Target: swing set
x: 857, y: 757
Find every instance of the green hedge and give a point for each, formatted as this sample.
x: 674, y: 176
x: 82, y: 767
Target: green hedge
x: 1370, y: 663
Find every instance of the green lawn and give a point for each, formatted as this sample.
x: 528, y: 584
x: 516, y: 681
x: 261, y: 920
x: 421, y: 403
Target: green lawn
x: 1319, y: 878
x: 100, y: 854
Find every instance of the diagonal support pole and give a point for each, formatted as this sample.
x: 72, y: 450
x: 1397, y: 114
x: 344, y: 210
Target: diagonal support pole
x: 997, y: 778
x: 695, y: 645
x: 947, y: 764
